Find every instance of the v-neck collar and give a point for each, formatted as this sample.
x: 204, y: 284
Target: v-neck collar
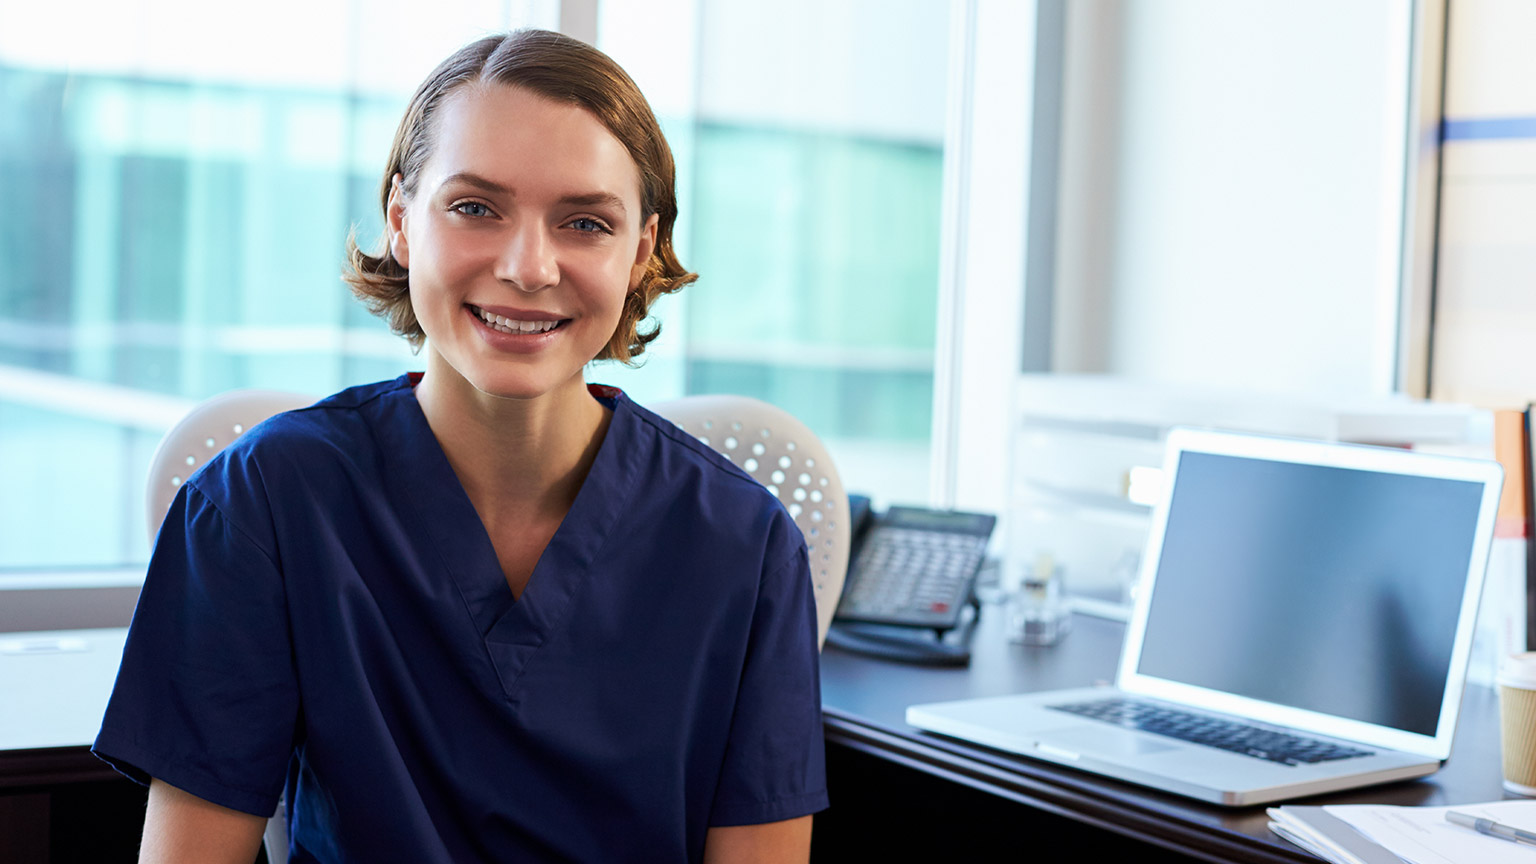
x: 513, y: 630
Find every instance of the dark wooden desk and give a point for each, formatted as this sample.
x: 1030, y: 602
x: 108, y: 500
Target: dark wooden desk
x: 933, y: 793
x: 897, y: 794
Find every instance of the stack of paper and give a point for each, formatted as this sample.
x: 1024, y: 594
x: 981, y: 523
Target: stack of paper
x: 1382, y: 834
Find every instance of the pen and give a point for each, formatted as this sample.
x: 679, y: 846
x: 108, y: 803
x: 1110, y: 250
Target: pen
x: 1491, y: 828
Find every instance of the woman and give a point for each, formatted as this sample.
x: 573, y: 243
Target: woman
x: 488, y: 612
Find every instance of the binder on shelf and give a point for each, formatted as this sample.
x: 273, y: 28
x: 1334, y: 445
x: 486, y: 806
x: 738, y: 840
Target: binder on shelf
x: 1504, y: 616
x: 1511, y: 446
x: 1520, y: 476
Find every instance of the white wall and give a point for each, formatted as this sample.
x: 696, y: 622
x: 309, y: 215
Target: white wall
x: 1232, y: 192
x: 1485, y: 314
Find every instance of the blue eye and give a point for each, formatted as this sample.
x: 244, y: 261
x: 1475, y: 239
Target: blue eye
x: 472, y: 208
x: 588, y: 226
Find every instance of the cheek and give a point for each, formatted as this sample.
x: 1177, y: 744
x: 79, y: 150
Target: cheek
x: 424, y: 311
x: 608, y: 277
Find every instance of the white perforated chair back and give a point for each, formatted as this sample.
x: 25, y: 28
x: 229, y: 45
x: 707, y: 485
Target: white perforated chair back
x: 199, y: 436
x: 784, y: 455
x: 208, y: 428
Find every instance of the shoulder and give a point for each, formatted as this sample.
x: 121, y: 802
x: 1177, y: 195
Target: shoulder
x: 722, y: 499
x: 686, y: 458
x: 336, y: 419
x: 340, y: 421
x: 669, y: 436
x: 336, y: 435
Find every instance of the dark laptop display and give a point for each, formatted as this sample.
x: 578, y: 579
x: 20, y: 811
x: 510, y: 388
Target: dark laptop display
x: 1336, y: 590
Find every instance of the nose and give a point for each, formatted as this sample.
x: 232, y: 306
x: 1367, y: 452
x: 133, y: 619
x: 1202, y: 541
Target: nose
x: 527, y: 258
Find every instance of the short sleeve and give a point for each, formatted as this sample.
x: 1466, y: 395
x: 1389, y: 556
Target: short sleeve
x: 775, y: 760
x: 206, y: 698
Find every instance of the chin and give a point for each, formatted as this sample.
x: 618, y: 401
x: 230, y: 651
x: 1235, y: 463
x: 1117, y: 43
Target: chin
x: 524, y: 386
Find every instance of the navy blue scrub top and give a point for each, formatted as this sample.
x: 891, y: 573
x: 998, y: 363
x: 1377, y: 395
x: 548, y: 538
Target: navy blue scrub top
x: 325, y: 613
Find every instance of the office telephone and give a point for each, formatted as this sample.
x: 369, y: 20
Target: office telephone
x: 911, y: 575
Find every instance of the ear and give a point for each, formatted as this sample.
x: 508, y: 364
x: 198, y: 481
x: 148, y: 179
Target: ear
x: 643, y: 251
x: 396, y: 223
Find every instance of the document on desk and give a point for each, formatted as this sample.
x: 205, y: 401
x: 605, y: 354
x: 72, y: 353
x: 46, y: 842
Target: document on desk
x: 1382, y: 834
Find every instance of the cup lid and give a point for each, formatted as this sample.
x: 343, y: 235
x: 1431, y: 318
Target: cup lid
x: 1518, y: 670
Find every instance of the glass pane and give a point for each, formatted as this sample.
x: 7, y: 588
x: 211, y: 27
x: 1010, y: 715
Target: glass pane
x: 176, y: 214
x: 810, y: 149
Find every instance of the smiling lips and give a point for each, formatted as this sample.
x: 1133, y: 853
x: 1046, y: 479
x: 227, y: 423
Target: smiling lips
x: 513, y: 326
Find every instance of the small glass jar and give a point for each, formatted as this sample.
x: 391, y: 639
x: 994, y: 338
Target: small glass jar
x: 1038, y: 614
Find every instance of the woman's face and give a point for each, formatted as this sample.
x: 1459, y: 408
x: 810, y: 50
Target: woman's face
x: 522, y: 239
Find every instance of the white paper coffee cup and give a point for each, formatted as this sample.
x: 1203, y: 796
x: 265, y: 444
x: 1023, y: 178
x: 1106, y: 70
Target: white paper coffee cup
x: 1517, y: 721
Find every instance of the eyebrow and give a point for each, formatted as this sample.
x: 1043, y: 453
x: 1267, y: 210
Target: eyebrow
x: 587, y: 199
x: 596, y: 199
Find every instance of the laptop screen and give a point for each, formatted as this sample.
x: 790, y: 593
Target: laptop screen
x: 1329, y: 589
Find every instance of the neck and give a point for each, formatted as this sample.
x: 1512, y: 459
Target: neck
x: 524, y: 457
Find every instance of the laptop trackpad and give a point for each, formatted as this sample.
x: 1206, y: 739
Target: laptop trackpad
x: 1106, y: 740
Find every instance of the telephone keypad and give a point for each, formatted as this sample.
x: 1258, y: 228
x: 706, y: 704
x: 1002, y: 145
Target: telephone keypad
x: 912, y: 577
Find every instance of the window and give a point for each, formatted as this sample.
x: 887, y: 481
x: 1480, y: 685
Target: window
x: 179, y: 193
x: 810, y: 142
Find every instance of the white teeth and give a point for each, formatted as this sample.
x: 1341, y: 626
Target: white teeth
x: 509, y: 325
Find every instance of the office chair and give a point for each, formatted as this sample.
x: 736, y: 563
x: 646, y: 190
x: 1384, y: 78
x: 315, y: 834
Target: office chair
x: 784, y: 455
x: 208, y: 428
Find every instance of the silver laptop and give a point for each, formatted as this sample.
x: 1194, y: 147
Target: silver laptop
x: 1302, y: 624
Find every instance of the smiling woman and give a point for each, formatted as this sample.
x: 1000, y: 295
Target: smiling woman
x: 528, y: 212
x: 380, y: 281
x: 467, y: 615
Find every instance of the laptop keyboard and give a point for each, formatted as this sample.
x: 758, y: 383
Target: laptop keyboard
x: 1237, y: 737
